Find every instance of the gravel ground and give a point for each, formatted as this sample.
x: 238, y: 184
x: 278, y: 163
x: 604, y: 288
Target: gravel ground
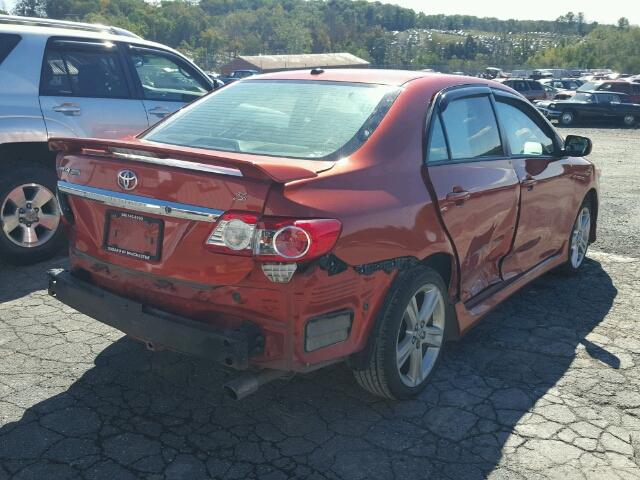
x: 545, y: 387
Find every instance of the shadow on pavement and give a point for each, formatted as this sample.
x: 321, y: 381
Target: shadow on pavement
x: 142, y: 415
x: 17, y: 281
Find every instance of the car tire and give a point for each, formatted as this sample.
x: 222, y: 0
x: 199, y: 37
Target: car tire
x: 629, y: 120
x: 389, y: 376
x: 579, y: 239
x: 30, y: 226
x: 567, y: 118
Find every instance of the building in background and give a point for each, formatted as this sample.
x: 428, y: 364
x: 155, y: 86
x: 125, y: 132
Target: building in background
x: 277, y: 63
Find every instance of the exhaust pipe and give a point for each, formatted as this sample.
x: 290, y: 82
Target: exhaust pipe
x: 245, y: 385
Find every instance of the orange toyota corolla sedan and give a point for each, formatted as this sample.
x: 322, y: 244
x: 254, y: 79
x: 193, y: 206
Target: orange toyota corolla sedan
x: 297, y: 219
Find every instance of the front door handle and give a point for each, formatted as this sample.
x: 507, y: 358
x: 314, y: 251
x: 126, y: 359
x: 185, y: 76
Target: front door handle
x: 458, y: 196
x: 159, y: 112
x: 529, y: 183
x: 67, y: 108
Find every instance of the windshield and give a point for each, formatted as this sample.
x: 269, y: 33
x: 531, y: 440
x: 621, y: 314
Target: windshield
x: 298, y: 119
x: 585, y: 87
x: 583, y: 97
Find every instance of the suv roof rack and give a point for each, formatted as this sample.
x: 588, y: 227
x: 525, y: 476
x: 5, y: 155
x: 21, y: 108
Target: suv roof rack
x: 48, y: 22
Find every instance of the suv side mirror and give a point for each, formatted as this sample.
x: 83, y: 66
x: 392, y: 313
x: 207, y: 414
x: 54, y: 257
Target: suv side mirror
x: 576, y: 146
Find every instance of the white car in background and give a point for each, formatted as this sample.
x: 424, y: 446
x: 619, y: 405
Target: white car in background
x: 67, y: 79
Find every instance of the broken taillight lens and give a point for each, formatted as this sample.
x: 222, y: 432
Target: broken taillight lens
x: 272, y: 239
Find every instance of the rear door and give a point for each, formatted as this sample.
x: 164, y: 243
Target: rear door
x: 84, y: 91
x: 474, y: 183
x: 164, y: 81
x: 543, y: 176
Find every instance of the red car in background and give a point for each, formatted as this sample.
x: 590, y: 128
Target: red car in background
x: 297, y: 219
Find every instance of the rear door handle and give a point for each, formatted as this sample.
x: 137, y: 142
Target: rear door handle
x: 159, y: 112
x: 529, y: 182
x: 67, y: 108
x: 458, y: 197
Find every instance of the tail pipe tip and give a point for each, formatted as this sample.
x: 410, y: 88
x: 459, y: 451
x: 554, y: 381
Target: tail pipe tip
x: 245, y: 385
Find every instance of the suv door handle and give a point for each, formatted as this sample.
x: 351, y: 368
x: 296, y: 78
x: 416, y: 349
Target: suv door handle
x: 458, y: 197
x: 529, y: 182
x: 68, y: 108
x: 159, y: 112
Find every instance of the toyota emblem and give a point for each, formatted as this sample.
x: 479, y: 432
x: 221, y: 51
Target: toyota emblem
x: 127, y: 179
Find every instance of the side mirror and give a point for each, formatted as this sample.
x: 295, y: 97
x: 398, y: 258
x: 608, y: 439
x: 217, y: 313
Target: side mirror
x: 576, y: 146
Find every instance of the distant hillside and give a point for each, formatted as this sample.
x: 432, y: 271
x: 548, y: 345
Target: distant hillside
x: 212, y: 31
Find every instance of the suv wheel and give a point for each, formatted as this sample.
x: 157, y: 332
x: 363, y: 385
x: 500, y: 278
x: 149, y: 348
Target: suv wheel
x: 30, y: 229
x: 411, y: 336
x: 567, y: 118
x: 629, y: 120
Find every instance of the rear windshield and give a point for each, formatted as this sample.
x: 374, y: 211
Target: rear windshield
x: 297, y: 119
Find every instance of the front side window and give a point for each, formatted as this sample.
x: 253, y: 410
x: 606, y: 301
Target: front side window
x: 583, y: 97
x: 535, y: 85
x: 523, y: 133
x: 163, y: 77
x: 472, y: 129
x: 83, y: 72
x: 298, y: 119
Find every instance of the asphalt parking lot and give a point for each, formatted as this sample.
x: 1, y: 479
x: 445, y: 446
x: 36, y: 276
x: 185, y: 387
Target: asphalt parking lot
x: 548, y: 386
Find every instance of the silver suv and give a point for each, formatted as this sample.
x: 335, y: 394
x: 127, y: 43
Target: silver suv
x: 67, y: 79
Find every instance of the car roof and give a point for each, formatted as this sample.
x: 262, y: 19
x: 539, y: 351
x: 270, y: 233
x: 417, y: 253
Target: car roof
x: 60, y: 31
x: 604, y: 92
x: 355, y: 75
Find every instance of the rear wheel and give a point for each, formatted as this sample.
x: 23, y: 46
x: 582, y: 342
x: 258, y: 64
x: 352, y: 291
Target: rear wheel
x: 629, y: 120
x: 410, y: 339
x: 30, y: 229
x: 567, y: 118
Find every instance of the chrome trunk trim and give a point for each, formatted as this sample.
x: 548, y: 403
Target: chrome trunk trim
x: 174, y: 162
x: 141, y: 204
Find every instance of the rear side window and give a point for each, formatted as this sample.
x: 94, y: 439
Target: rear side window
x: 520, y: 86
x: 83, y: 72
x: 437, y: 143
x: 8, y: 42
x: 471, y: 128
x: 535, y: 85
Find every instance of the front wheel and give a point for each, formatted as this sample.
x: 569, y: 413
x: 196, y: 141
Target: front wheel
x: 579, y: 239
x: 410, y: 339
x: 567, y: 118
x: 30, y: 229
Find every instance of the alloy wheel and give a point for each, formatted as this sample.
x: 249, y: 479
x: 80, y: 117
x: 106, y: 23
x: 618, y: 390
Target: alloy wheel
x: 567, y: 118
x: 420, y: 335
x: 30, y: 215
x: 580, y: 237
x: 629, y: 120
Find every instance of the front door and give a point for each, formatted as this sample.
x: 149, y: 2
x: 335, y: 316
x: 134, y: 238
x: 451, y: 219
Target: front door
x: 474, y: 183
x: 84, y: 92
x: 166, y: 82
x: 542, y: 173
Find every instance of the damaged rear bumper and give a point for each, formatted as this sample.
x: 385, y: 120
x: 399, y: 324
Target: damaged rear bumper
x: 232, y: 348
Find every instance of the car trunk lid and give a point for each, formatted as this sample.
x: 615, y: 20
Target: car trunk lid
x: 158, y: 218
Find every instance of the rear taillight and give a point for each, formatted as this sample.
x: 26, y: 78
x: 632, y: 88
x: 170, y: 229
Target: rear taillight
x: 271, y: 239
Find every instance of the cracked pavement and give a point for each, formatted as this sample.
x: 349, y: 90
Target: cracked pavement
x: 547, y: 386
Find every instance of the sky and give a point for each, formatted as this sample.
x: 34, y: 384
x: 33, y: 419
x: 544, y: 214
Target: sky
x: 594, y: 10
